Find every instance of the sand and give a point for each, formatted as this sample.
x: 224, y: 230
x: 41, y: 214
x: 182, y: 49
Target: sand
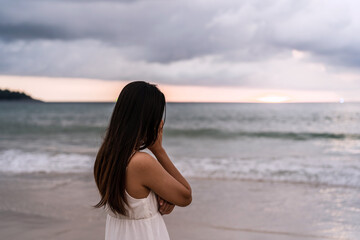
x: 58, y: 206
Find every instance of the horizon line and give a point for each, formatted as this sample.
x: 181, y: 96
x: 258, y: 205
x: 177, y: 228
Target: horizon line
x: 182, y: 102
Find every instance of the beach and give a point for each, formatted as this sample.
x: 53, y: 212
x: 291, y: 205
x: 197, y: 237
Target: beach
x: 258, y: 171
x: 58, y: 206
x: 255, y: 103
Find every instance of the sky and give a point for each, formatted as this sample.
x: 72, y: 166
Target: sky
x: 198, y: 50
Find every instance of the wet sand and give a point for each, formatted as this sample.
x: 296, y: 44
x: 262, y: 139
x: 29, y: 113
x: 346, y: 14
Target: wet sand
x: 58, y: 206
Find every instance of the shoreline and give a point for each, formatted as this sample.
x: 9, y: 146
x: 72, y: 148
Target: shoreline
x: 231, y: 179
x: 58, y: 206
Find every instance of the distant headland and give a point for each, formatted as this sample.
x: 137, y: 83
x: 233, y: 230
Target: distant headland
x: 7, y: 95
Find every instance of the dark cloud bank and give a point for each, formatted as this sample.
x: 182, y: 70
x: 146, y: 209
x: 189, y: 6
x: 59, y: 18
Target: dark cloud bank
x: 177, y: 42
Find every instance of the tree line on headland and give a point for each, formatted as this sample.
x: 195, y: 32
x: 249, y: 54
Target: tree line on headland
x: 14, y: 95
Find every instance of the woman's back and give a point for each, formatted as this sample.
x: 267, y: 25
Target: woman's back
x: 142, y: 221
x: 120, y: 169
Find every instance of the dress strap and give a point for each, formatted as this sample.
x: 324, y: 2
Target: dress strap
x: 132, y: 154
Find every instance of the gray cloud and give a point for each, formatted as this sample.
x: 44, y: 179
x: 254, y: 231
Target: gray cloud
x: 28, y: 31
x: 162, y: 31
x: 181, y: 42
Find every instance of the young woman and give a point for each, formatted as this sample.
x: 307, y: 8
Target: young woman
x: 136, y: 188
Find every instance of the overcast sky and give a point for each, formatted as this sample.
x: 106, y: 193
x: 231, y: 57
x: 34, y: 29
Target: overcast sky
x: 297, y: 45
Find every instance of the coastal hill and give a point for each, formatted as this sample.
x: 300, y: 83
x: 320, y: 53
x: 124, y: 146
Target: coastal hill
x: 7, y: 95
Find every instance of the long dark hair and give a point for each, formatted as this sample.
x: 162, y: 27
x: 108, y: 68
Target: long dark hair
x: 134, y: 126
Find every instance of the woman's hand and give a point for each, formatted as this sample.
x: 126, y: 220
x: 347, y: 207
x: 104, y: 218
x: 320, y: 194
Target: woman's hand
x: 165, y: 207
x: 157, y: 146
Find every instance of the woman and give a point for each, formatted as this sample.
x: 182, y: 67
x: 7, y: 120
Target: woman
x: 133, y: 184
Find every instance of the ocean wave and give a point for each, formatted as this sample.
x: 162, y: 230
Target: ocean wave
x: 27, y: 129
x: 336, y: 172
x: 225, y: 134
x: 18, y: 161
x: 295, y: 170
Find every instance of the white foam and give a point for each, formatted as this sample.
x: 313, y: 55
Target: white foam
x: 319, y: 171
x: 335, y: 171
x: 17, y: 161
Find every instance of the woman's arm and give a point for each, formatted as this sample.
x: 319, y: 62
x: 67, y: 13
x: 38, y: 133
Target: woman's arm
x: 165, y: 207
x: 161, y: 155
x: 165, y: 161
x: 151, y: 174
x: 160, y: 175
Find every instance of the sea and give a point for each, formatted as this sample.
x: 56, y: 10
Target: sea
x: 312, y: 143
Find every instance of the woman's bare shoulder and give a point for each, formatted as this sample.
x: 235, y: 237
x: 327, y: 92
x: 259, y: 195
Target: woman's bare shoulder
x: 142, y: 160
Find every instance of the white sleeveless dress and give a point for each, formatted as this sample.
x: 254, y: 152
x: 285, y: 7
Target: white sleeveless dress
x: 143, y: 221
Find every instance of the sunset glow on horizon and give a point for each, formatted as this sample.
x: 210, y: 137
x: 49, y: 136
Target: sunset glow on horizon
x: 97, y: 90
x: 273, y: 99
